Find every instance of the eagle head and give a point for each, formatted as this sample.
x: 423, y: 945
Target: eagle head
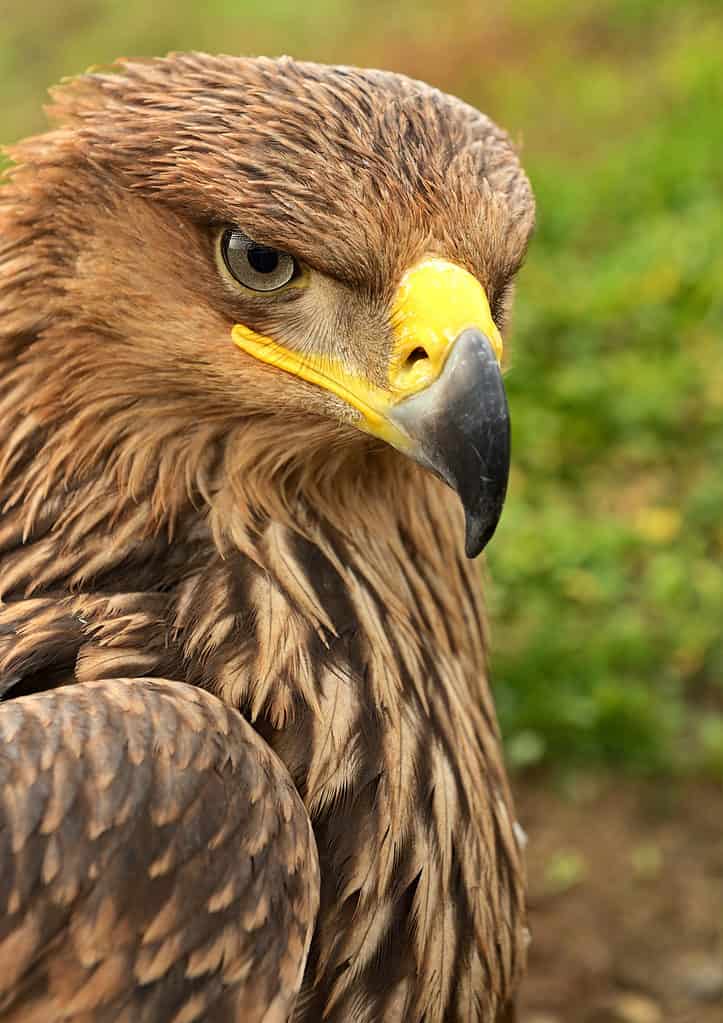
x: 319, y: 256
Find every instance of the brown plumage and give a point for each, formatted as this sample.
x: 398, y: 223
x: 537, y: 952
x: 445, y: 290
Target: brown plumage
x: 224, y: 610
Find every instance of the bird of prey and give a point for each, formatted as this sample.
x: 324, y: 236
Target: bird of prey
x: 251, y: 318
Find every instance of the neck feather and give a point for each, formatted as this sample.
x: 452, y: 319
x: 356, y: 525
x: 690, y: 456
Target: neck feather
x: 320, y: 588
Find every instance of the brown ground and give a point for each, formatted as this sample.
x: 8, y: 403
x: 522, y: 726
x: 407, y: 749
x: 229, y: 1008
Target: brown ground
x: 626, y: 902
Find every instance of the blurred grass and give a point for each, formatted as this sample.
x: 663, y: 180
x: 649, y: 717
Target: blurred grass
x: 607, y: 592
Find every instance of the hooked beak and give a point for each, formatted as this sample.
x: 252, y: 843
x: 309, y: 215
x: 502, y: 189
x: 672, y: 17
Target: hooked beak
x: 444, y: 404
x: 461, y: 425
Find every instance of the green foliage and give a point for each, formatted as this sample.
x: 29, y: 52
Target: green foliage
x: 607, y: 590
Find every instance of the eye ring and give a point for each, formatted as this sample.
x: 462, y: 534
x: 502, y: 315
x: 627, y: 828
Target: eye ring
x: 257, y: 267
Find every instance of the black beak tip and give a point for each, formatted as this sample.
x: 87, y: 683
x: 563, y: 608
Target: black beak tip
x: 479, y: 530
x: 472, y: 546
x: 475, y: 540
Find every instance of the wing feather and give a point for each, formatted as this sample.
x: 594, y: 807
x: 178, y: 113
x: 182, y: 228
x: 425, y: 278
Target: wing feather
x: 156, y: 862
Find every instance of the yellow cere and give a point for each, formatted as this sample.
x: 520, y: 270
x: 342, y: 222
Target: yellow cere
x: 435, y: 301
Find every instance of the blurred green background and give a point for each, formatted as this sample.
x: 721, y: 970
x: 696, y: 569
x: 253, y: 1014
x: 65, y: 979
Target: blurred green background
x: 607, y: 588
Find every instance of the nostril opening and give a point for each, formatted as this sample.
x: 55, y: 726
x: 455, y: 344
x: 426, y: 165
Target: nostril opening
x: 417, y: 355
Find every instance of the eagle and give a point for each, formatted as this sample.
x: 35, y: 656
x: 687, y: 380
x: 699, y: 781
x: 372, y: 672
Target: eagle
x: 254, y: 433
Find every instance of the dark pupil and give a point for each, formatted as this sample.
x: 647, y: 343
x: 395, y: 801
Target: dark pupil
x: 263, y: 259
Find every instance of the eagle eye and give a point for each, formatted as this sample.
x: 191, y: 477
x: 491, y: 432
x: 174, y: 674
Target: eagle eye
x: 258, y: 267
